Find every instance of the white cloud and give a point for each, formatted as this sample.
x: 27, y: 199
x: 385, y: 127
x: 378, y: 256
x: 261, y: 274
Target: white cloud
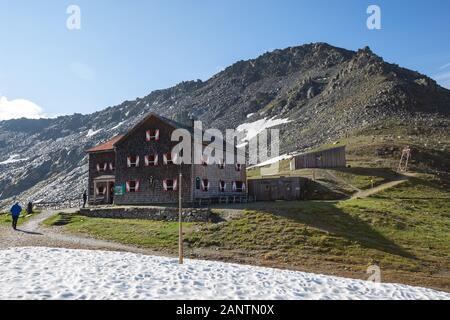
x: 19, y: 108
x: 82, y: 71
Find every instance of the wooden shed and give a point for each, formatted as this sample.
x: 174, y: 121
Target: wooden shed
x: 279, y: 188
x: 328, y: 158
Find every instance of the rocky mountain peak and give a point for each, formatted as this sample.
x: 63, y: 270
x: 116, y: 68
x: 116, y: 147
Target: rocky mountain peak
x: 325, y: 92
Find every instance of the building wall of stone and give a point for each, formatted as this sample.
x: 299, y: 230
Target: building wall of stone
x: 151, y: 190
x: 151, y: 177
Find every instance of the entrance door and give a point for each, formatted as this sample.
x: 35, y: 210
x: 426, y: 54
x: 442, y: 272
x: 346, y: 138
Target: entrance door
x: 111, y: 192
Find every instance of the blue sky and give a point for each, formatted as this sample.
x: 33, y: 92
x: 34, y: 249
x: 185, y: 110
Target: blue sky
x: 125, y: 49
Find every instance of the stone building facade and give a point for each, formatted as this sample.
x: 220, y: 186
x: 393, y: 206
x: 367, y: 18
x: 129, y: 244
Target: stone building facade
x: 139, y: 168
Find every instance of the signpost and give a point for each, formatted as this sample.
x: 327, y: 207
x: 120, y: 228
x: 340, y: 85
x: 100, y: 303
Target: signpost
x: 180, y: 223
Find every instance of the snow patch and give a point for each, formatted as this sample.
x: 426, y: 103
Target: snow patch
x: 92, y: 133
x: 252, y: 129
x: 117, y: 126
x: 13, y: 159
x: 250, y: 115
x: 46, y: 273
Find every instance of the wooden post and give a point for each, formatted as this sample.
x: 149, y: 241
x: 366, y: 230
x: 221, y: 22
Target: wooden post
x: 95, y: 192
x: 180, y: 223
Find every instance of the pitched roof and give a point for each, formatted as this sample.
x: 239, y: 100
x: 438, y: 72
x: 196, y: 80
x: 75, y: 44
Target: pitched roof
x: 172, y: 123
x: 107, y: 146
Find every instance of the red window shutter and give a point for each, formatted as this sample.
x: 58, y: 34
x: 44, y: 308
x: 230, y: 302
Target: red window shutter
x: 98, y: 167
x: 148, y: 135
x: 175, y: 158
x: 156, y: 159
x: 137, y: 161
x: 105, y: 166
x: 175, y: 184
x: 165, y: 158
x: 137, y: 186
x: 128, y: 186
x: 147, y: 163
x: 129, y: 162
x: 234, y: 186
x: 111, y: 166
x: 165, y: 184
x: 157, y: 134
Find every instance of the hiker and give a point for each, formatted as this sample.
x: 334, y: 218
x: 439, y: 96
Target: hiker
x: 15, y: 213
x: 30, y: 207
x: 84, y: 198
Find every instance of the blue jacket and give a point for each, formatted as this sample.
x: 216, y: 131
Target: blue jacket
x: 16, y: 210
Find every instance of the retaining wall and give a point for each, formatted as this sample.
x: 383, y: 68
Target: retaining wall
x: 149, y: 213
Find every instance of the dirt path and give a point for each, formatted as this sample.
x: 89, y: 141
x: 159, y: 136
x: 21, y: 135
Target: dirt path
x: 369, y: 192
x: 31, y: 233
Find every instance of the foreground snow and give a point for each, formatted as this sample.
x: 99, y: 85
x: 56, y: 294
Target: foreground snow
x: 45, y: 273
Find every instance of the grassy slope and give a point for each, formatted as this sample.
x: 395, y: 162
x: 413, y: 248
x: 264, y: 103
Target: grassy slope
x: 405, y: 230
x: 157, y: 235
x: 410, y: 237
x: 5, y: 218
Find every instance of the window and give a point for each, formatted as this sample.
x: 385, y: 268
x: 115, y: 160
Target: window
x: 101, y: 191
x: 151, y: 160
x: 170, y: 184
x: 132, y: 161
x: 238, y: 186
x: 222, y: 186
x: 111, y: 166
x: 152, y: 135
x: 102, y: 167
x: 205, y: 185
x: 198, y: 183
x: 238, y: 167
x: 132, y: 186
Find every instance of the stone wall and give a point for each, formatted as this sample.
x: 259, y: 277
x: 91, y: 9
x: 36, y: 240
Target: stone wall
x: 150, y: 178
x: 149, y: 213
